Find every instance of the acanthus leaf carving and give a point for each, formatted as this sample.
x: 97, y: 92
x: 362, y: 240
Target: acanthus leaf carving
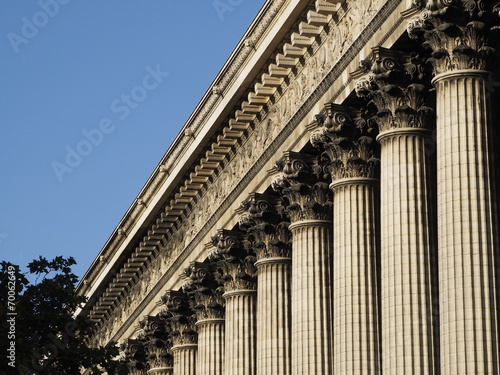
x: 461, y: 34
x: 156, y: 337
x: 335, y: 45
x: 305, y: 191
x: 348, y: 144
x: 180, y: 317
x: 206, y: 291
x: 235, y: 261
x: 133, y: 356
x: 267, y: 225
x: 397, y: 86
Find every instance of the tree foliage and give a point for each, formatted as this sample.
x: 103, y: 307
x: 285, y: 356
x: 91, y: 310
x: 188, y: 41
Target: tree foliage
x: 38, y: 323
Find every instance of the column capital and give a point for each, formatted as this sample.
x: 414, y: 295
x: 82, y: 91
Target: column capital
x: 305, y: 191
x: 235, y: 259
x: 347, y: 141
x: 397, y: 86
x: 181, y: 317
x: 461, y: 34
x: 156, y: 337
x: 205, y: 289
x: 265, y: 221
x: 133, y: 356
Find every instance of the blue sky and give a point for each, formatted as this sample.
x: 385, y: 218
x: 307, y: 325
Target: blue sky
x: 110, y: 81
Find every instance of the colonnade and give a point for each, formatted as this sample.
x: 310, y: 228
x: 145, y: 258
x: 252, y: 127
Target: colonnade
x: 378, y: 254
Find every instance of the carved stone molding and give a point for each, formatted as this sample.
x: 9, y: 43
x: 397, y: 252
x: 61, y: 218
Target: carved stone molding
x: 461, y: 34
x: 206, y: 291
x: 348, y: 143
x: 235, y: 260
x: 265, y: 221
x: 305, y: 191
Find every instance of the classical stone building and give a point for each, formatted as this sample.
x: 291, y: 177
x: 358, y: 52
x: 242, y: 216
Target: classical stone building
x: 330, y: 207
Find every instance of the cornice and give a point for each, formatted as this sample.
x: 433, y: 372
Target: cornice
x: 162, y: 175
x: 194, y: 189
x: 239, y: 123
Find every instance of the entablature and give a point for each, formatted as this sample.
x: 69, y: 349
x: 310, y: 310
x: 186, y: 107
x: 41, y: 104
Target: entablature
x: 276, y: 82
x: 233, y: 130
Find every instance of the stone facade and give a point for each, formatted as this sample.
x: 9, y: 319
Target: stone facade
x: 331, y: 206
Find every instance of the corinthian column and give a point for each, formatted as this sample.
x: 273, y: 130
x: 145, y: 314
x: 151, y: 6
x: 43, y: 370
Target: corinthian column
x: 271, y: 239
x: 350, y: 157
x: 460, y: 34
x: 235, y: 264
x: 184, y: 337
x: 308, y: 205
x: 208, y: 304
x: 397, y: 87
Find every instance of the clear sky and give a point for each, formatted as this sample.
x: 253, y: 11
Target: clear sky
x: 92, y: 93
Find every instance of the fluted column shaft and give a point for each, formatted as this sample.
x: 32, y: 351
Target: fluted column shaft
x: 240, y: 346
x: 468, y: 228
x: 312, y: 351
x: 273, y: 316
x: 211, y: 338
x: 355, y: 315
x: 184, y: 359
x: 408, y: 250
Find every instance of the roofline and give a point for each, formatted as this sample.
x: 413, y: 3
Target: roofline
x: 253, y: 48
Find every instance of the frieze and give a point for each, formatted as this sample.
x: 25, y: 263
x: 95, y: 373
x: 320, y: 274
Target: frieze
x: 308, y: 78
x: 269, y: 18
